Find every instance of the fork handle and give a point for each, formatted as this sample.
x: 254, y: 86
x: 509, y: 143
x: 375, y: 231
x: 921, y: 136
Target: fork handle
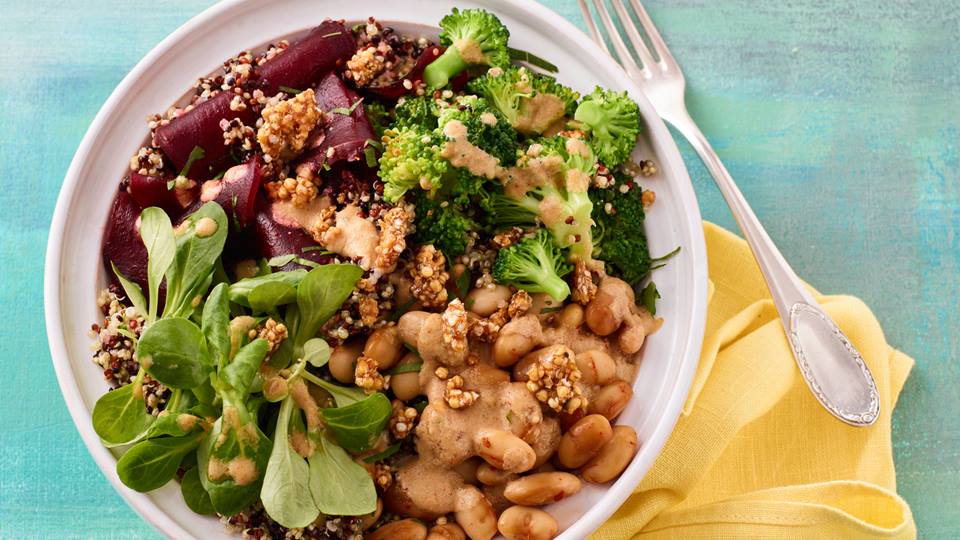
x: 831, y: 366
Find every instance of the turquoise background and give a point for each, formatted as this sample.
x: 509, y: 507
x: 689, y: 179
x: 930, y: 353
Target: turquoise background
x: 840, y: 119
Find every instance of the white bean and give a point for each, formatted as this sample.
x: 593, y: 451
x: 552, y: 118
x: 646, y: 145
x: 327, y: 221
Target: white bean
x: 405, y: 529
x: 504, y: 450
x: 485, y: 301
x: 523, y: 523
x: 541, y: 488
x: 611, y: 399
x: 583, y: 440
x: 613, y: 458
x: 474, y: 513
x: 343, y: 359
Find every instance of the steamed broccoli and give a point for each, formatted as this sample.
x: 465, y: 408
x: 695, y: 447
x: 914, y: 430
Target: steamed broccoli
x: 418, y: 112
x: 619, y: 234
x: 446, y: 226
x: 486, y: 127
x: 472, y: 37
x: 558, y: 199
x: 534, y: 264
x: 530, y: 102
x: 411, y: 159
x: 612, y: 120
x: 379, y: 116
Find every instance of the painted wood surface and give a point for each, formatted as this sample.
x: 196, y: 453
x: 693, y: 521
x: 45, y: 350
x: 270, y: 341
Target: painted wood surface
x: 840, y: 120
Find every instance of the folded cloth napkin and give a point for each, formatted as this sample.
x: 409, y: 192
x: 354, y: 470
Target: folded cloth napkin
x: 753, y: 454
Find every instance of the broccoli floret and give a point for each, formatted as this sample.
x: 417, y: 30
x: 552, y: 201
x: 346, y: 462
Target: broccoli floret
x: 411, y: 159
x: 534, y: 264
x: 379, y: 116
x: 613, y: 121
x: 472, y: 37
x: 530, y: 102
x: 446, y: 226
x: 557, y: 198
x: 618, y: 233
x: 486, y: 127
x: 420, y: 112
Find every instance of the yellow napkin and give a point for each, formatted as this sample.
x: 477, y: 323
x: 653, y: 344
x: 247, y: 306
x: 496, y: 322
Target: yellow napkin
x: 754, y: 455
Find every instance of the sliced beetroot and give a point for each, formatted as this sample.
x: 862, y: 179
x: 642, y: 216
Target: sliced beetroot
x: 236, y: 192
x: 121, y: 241
x: 154, y: 191
x: 396, y: 89
x: 200, y: 127
x: 343, y: 136
x: 301, y: 65
x: 274, y: 239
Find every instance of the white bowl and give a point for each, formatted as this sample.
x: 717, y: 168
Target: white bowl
x: 74, y: 273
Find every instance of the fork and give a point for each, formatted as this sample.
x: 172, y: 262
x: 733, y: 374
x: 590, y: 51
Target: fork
x: 831, y: 366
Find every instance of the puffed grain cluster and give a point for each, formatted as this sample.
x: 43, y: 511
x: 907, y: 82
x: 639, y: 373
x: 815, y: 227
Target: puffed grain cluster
x: 287, y: 125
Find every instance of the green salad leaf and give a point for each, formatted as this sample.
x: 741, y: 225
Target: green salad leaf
x: 286, y: 490
x: 340, y: 486
x: 174, y: 352
x: 356, y: 426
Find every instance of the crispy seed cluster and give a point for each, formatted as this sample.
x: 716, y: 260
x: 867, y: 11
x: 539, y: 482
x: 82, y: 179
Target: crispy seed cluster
x: 429, y: 276
x: 394, y: 226
x: 369, y: 310
x: 367, y: 376
x: 456, y: 397
x: 455, y: 326
x: 148, y: 161
x: 301, y: 191
x: 286, y: 126
x: 274, y: 332
x: 327, y: 218
x: 403, y: 420
x: 383, y: 475
x: 508, y: 237
x: 365, y: 65
x: 552, y: 380
x: 647, y: 198
x: 584, y: 289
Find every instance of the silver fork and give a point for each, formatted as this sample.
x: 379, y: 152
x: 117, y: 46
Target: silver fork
x: 831, y: 366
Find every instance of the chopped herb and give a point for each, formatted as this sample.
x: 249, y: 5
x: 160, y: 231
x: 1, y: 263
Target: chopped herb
x: 283, y: 260
x: 326, y: 166
x: 220, y: 174
x: 463, y: 284
x: 331, y: 34
x: 371, y: 156
x: 376, y: 144
x: 125, y: 332
x: 391, y: 450
x: 405, y: 368
x: 171, y: 183
x: 345, y: 111
x: 196, y: 154
x: 510, y: 415
x: 532, y: 59
x: 552, y: 309
x: 412, y: 349
x: 649, y: 296
x: 288, y: 90
x: 323, y: 250
x: 667, y: 256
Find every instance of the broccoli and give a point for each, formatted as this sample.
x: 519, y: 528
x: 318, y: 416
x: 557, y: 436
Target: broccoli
x: 612, y: 120
x: 530, y: 102
x: 472, y: 37
x: 486, y: 127
x: 446, y: 226
x: 418, y: 112
x: 378, y: 115
x: 558, y: 197
x: 619, y: 233
x: 535, y: 264
x: 410, y: 159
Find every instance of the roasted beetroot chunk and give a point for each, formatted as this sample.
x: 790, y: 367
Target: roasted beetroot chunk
x: 342, y: 137
x: 275, y: 239
x: 200, y: 127
x: 236, y: 192
x: 301, y: 65
x: 154, y: 191
x: 122, y: 244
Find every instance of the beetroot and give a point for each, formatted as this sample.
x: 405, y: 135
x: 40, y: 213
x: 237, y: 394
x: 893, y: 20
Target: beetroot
x: 274, y: 239
x: 342, y: 137
x: 324, y: 48
x: 154, y: 191
x: 236, y: 192
x: 121, y: 241
x: 396, y: 89
x: 200, y: 127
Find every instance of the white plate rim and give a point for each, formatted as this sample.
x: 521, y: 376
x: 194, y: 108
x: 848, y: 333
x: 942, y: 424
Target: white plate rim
x: 616, y: 494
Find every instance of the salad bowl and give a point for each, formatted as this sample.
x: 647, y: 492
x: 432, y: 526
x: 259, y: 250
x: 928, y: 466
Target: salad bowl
x: 74, y: 275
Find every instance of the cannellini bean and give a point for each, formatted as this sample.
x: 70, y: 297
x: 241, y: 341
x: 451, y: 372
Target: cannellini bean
x: 491, y: 476
x: 409, y: 326
x: 523, y: 523
x: 467, y: 469
x: 583, y: 440
x: 517, y: 338
x: 485, y: 301
x: 385, y: 347
x: 611, y: 399
x: 596, y: 367
x: 343, y: 359
x: 504, y: 450
x: 602, y: 314
x: 474, y: 513
x: 547, y: 440
x: 446, y: 531
x: 613, y: 458
x: 368, y: 520
x: 571, y: 316
x: 406, y: 385
x: 405, y: 529
x: 541, y: 488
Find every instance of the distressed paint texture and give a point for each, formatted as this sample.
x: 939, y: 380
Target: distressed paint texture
x: 840, y: 119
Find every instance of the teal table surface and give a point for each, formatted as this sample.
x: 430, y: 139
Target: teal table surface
x: 840, y: 119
